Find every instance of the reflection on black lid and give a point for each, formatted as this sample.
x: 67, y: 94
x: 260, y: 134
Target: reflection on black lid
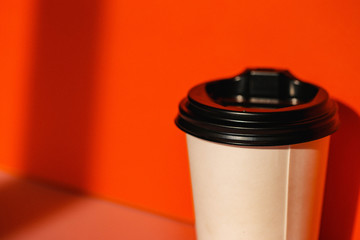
x: 259, y: 107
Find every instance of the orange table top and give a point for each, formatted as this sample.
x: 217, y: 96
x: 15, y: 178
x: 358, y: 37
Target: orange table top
x: 30, y: 210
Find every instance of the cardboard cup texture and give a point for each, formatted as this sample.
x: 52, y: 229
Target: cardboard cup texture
x: 257, y: 193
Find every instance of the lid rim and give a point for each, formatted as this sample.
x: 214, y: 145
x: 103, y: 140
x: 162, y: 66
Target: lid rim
x: 199, y: 115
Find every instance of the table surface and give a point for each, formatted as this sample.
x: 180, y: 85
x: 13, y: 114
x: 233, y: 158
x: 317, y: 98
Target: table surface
x: 31, y: 210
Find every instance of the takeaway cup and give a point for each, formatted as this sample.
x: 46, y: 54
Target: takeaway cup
x: 258, y: 146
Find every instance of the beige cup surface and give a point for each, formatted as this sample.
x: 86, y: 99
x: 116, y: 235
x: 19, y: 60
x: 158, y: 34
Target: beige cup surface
x: 257, y: 193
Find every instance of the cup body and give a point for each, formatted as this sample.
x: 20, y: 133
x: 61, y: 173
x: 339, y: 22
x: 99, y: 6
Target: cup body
x: 257, y: 193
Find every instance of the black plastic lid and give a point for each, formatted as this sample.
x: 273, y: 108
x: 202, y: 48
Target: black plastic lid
x: 259, y: 107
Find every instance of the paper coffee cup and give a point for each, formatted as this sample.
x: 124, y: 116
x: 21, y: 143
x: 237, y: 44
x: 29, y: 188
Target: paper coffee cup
x: 258, y: 146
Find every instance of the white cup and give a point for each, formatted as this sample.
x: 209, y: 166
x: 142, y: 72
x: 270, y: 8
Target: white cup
x: 257, y: 193
x: 258, y: 146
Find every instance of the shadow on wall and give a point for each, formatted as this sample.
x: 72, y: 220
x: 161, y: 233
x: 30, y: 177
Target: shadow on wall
x: 62, y: 91
x: 60, y: 105
x: 343, y: 179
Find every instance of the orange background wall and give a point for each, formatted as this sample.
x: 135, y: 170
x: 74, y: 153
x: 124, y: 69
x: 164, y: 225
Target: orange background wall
x: 90, y: 90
